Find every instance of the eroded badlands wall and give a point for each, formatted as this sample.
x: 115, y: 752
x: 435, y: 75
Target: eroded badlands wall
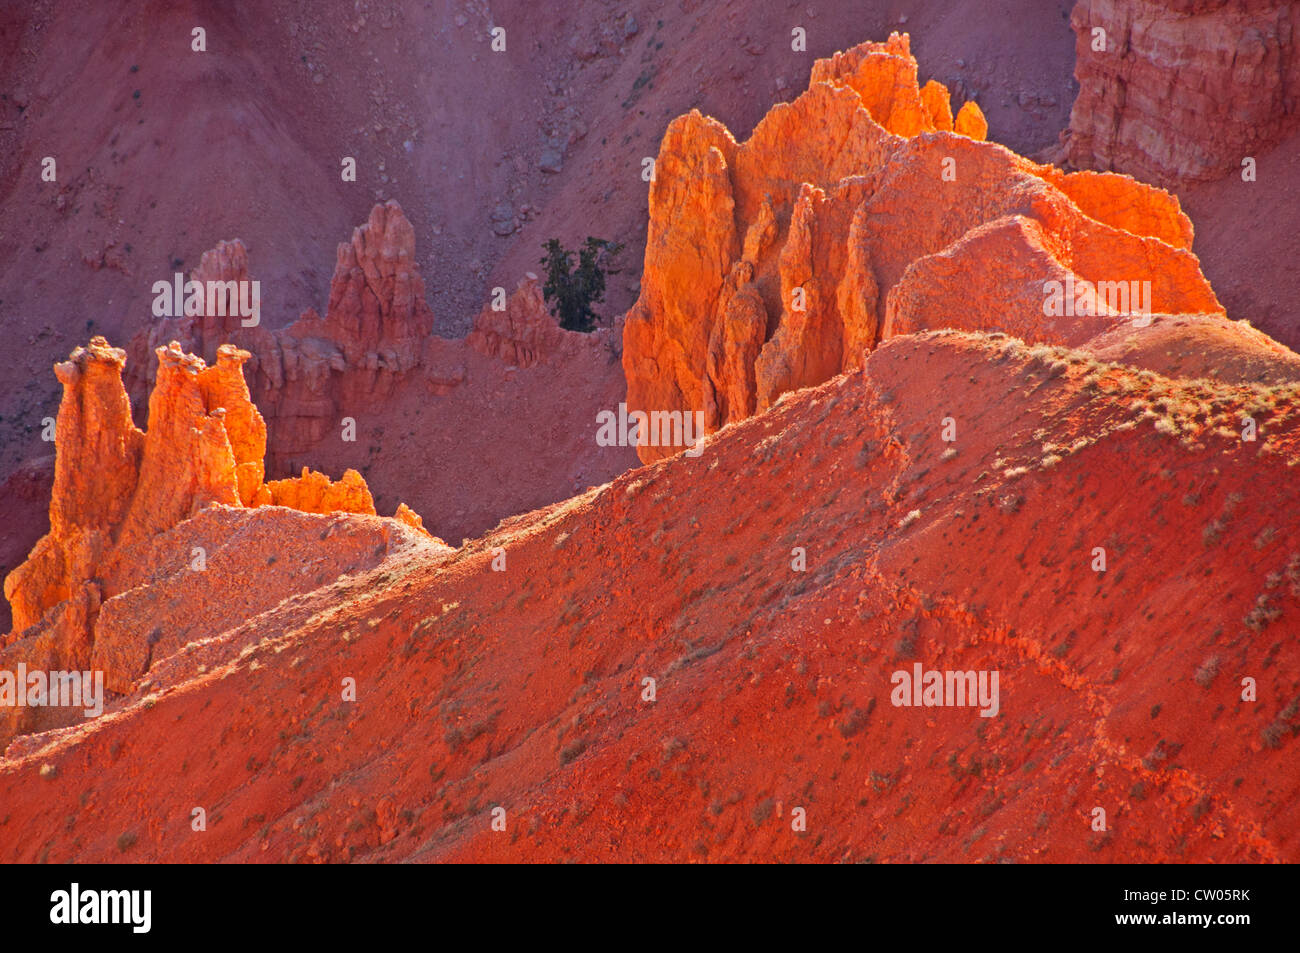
x: 1182, y: 90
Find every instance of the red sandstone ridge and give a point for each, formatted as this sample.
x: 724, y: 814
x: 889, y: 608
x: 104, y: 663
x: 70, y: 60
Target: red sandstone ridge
x: 853, y: 215
x: 768, y: 588
x: 119, y: 494
x: 523, y: 687
x: 1183, y: 90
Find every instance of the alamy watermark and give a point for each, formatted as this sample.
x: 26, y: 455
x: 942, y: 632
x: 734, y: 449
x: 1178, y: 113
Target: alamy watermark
x: 130, y: 907
x: 1078, y: 297
x: 945, y: 689
x: 213, y: 298
x: 41, y: 689
x: 656, y: 428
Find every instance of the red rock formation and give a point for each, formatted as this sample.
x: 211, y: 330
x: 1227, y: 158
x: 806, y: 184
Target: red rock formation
x: 1184, y: 89
x: 520, y: 684
x: 316, y: 493
x: 377, y: 309
x: 884, y: 75
x: 306, y: 377
x: 372, y: 359
x: 202, y: 333
x: 24, y: 518
x: 117, y: 490
x: 522, y: 334
x: 373, y: 333
x: 96, y: 471
x: 851, y: 216
x: 376, y: 333
x: 408, y: 516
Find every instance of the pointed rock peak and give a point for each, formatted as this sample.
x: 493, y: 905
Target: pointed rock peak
x: 97, y: 353
x: 118, y: 491
x: 228, y: 261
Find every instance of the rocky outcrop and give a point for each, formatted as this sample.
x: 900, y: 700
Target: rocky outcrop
x: 24, y: 517
x: 376, y: 308
x: 1182, y: 90
x: 522, y: 333
x: 316, y: 493
x: 204, y: 329
x: 376, y: 334
x: 117, y: 490
x: 309, y: 375
x: 368, y: 387
x: 96, y: 470
x: 884, y: 75
x: 859, y: 212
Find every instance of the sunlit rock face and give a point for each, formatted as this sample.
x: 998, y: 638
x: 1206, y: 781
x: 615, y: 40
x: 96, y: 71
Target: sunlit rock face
x: 863, y: 210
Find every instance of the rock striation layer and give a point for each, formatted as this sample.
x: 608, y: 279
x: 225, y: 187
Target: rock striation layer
x: 1182, y: 90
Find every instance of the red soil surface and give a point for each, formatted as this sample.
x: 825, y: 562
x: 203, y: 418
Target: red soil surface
x: 523, y: 688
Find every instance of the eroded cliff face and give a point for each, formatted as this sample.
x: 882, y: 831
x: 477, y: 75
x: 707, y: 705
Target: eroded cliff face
x: 118, y: 491
x: 861, y: 211
x: 1182, y: 90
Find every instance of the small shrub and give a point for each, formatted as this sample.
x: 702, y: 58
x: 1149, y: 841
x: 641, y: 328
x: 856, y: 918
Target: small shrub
x: 1208, y: 669
x: 1261, y: 615
x: 571, y: 293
